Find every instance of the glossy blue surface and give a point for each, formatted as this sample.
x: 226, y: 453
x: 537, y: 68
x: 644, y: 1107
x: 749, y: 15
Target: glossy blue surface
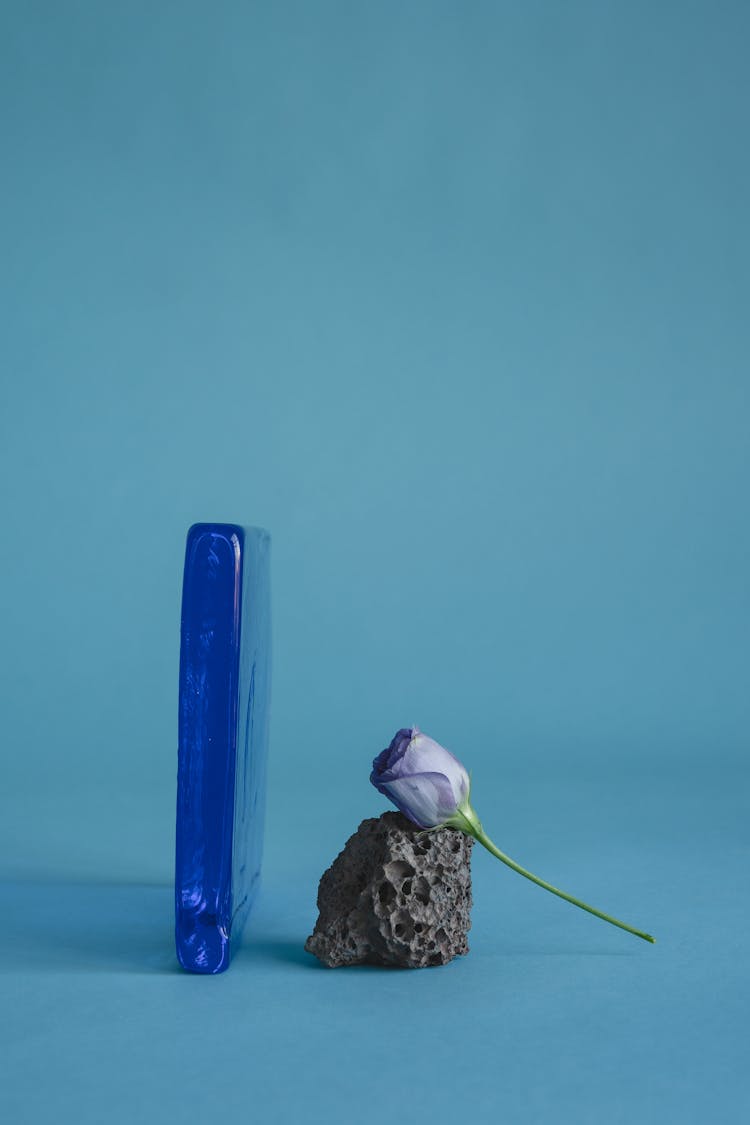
x: 223, y: 730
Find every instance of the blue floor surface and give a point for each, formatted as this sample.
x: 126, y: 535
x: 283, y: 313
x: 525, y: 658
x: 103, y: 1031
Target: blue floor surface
x: 553, y: 1017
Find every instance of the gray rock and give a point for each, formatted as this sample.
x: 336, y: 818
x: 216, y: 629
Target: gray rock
x: 393, y: 897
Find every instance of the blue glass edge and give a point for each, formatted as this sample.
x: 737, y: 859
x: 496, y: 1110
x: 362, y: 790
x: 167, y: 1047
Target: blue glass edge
x: 222, y: 739
x: 253, y: 719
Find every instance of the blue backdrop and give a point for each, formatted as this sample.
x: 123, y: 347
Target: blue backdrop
x: 451, y: 297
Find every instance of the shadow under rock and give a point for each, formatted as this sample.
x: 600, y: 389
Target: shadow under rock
x: 290, y: 951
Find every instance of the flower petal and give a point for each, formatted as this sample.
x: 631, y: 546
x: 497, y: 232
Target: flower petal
x: 425, y: 755
x: 388, y: 760
x: 426, y: 798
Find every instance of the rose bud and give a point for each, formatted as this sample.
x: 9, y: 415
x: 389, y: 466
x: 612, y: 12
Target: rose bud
x: 422, y: 778
x: 431, y: 787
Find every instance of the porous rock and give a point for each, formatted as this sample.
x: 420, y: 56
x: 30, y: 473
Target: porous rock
x: 395, y: 897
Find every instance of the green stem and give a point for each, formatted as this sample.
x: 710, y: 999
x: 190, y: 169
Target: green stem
x: 472, y: 826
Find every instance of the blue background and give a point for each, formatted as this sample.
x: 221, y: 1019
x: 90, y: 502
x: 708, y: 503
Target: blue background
x: 451, y: 297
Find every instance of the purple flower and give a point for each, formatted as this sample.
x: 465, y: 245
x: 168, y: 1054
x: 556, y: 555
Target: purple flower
x: 422, y: 778
x: 431, y: 788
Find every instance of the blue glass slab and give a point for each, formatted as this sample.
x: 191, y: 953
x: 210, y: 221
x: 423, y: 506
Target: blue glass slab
x: 222, y: 739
